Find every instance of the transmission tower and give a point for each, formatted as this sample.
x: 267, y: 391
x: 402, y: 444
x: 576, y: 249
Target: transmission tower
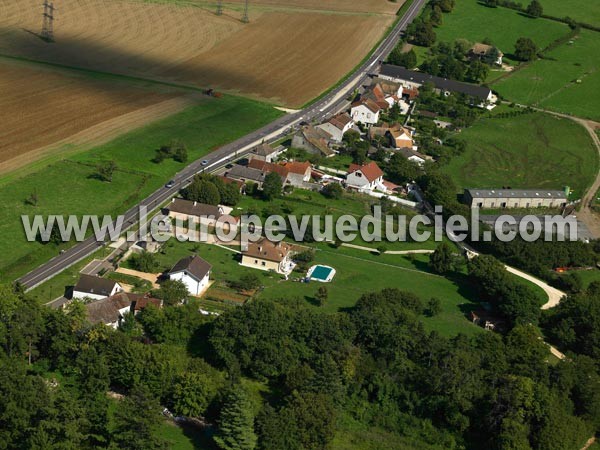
x: 220, y: 8
x: 246, y: 19
x: 48, y: 23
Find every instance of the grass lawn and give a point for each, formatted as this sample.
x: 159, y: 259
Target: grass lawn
x: 473, y: 21
x: 66, y: 187
x: 585, y: 11
x: 186, y: 437
x: 567, y: 81
x: 529, y: 151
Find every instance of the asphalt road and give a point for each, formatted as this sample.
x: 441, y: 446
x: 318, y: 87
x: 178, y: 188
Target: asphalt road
x: 318, y: 110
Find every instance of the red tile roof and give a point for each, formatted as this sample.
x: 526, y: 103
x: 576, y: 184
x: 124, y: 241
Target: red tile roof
x: 268, y: 167
x: 371, y: 170
x: 297, y: 167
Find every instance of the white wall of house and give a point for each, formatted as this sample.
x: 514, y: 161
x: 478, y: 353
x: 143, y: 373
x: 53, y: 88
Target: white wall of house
x: 335, y: 132
x: 193, y: 285
x: 362, y: 114
x: 357, y: 180
x: 80, y: 295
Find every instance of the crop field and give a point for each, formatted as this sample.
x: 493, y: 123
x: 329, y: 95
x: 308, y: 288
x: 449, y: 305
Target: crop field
x: 567, y: 80
x: 289, y: 53
x: 473, y: 21
x: 44, y: 110
x: 532, y: 151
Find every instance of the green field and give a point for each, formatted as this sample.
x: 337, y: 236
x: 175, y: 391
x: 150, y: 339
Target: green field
x: 585, y: 11
x: 473, y: 21
x: 534, y: 150
x: 567, y: 80
x: 68, y: 186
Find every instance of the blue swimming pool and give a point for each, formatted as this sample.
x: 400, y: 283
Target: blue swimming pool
x: 321, y: 273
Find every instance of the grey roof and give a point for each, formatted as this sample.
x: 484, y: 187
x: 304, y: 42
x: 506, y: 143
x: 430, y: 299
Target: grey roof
x: 246, y: 174
x: 515, y: 193
x: 190, y: 208
x: 402, y: 73
x: 264, y: 150
x: 408, y: 152
x: 94, y: 285
x: 193, y: 265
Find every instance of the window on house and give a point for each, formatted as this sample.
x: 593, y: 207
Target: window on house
x: 264, y: 263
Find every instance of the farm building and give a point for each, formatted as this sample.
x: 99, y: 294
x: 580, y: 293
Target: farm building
x: 411, y: 80
x: 313, y: 140
x: 267, y: 255
x: 193, y: 271
x: 484, y: 52
x: 514, y: 198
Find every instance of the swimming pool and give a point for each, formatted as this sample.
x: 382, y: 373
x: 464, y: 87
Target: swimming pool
x: 321, y: 273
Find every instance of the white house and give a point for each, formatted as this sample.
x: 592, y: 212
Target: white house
x: 298, y: 172
x: 365, y: 111
x: 414, y: 156
x: 95, y: 288
x: 337, y: 126
x: 266, y: 153
x: 193, y: 271
x: 364, y: 178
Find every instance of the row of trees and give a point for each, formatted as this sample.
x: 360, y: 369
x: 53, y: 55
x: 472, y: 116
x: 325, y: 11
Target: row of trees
x: 211, y: 190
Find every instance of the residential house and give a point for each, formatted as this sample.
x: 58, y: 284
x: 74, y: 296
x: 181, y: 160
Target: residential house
x: 384, y: 92
x: 363, y: 178
x: 193, y: 271
x: 485, y: 52
x: 95, y: 288
x: 298, y: 172
x: 268, y: 168
x: 246, y: 174
x: 514, y: 198
x: 112, y: 310
x: 365, y: 111
x: 411, y: 79
x: 337, y: 126
x: 267, y: 255
x: 313, y: 140
x: 265, y: 152
x: 238, y: 183
x: 414, y: 156
x: 400, y: 137
x: 182, y: 210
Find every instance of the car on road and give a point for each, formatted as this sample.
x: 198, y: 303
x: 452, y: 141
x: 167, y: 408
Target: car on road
x: 229, y: 166
x: 170, y: 184
x: 205, y: 162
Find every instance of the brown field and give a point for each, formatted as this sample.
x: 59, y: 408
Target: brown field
x: 288, y: 54
x: 41, y: 110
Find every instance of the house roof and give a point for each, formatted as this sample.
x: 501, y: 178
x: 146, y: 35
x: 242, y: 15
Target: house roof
x: 265, y: 249
x: 268, y: 167
x: 515, y: 193
x: 367, y: 103
x: 297, y: 167
x: 95, y: 285
x: 399, y: 131
x: 371, y: 170
x: 246, y: 174
x: 226, y: 180
x: 407, y: 153
x: 402, y: 73
x: 483, y: 49
x: 107, y: 310
x: 263, y: 149
x: 193, y: 265
x: 182, y: 206
x: 340, y: 121
x: 318, y: 138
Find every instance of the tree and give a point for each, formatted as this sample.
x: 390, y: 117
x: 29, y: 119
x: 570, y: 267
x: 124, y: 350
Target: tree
x: 105, y: 170
x: 272, y: 186
x: 192, y: 393
x: 442, y: 259
x: 534, y: 9
x: 525, y: 49
x: 434, y: 307
x: 33, y: 198
x: 236, y: 422
x: 477, y: 71
x: 136, y: 421
x: 172, y: 292
x: 144, y: 262
x: 322, y: 295
x: 333, y: 191
x: 203, y: 191
x: 248, y: 282
x: 180, y: 154
x: 491, y: 3
x: 424, y: 34
x: 436, y: 16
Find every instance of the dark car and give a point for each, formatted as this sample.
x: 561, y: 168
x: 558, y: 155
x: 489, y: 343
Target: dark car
x: 205, y: 162
x: 229, y: 166
x: 170, y: 184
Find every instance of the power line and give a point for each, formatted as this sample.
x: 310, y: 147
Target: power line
x: 246, y: 19
x: 48, y: 22
x: 220, y: 8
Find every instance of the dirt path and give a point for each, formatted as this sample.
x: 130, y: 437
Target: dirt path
x: 151, y: 277
x: 554, y: 295
x: 591, y: 441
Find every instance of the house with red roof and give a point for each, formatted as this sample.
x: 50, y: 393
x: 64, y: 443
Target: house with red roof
x: 367, y: 177
x: 298, y: 172
x: 337, y: 126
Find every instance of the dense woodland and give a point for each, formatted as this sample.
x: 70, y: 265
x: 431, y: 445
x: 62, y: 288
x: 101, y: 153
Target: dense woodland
x: 374, y: 363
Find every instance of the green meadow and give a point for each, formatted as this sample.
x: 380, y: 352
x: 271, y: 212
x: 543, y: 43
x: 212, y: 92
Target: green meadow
x: 534, y: 150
